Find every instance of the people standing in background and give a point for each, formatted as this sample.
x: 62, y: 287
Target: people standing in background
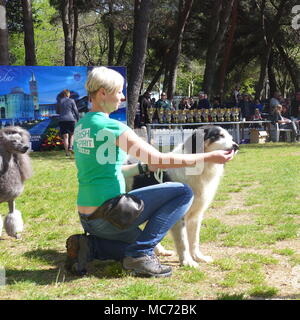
x: 184, y: 104
x: 246, y: 107
x: 144, y: 104
x: 216, y: 103
x: 68, y: 116
x: 163, y: 102
x: 138, y: 116
x: 192, y: 102
x: 203, y: 102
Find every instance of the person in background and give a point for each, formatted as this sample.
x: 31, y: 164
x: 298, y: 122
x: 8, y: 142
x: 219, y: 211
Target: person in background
x: 153, y: 101
x: 216, y: 103
x: 101, y: 147
x: 191, y: 102
x: 257, y: 115
x: 246, y: 107
x: 68, y: 116
x: 258, y: 105
x: 145, y: 103
x: 184, y: 104
x: 163, y: 102
x: 138, y: 117
x: 274, y: 101
x: 285, y: 111
x: 203, y: 102
x: 283, y: 122
x: 295, y: 106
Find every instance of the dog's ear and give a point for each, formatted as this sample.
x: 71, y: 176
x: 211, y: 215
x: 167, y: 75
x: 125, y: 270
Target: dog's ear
x: 2, y: 136
x: 197, y: 140
x: 206, y: 131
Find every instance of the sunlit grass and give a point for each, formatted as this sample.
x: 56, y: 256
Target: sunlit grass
x: 264, y: 181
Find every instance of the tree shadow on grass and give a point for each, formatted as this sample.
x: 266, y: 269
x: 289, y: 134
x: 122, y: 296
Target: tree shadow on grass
x: 269, y: 145
x: 52, y: 269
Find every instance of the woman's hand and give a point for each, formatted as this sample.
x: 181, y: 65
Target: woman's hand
x: 219, y: 156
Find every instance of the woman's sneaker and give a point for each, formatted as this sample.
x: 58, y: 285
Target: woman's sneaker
x: 146, y: 266
x: 77, y: 254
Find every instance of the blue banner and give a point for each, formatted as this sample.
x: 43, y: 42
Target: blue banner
x: 29, y: 94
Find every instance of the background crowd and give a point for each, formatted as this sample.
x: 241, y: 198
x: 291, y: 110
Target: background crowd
x: 251, y: 108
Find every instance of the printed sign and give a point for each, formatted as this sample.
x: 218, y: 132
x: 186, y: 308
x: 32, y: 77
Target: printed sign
x: 29, y: 95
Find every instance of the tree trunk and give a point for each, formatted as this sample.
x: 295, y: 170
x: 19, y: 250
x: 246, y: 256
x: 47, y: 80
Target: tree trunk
x: 75, y: 33
x: 166, y: 77
x: 184, y: 11
x: 111, y: 37
x: 222, y: 12
x: 265, y: 53
x: 271, y: 75
x: 122, y: 50
x: 30, y: 57
x: 264, y: 60
x: 292, y: 67
x: 269, y: 36
x: 4, y: 57
x: 156, y: 77
x: 228, y: 48
x: 142, y: 10
x: 68, y: 27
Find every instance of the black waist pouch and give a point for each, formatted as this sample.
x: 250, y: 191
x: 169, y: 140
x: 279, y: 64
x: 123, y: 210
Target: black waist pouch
x: 120, y: 211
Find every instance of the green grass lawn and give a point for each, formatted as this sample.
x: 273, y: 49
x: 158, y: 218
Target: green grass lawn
x: 251, y: 230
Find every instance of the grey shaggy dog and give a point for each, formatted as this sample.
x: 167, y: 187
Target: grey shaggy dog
x: 15, y: 168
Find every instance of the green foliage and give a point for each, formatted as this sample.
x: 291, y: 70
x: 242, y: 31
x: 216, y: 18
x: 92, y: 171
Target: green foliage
x: 189, y: 79
x: 49, y: 39
x: 93, y: 40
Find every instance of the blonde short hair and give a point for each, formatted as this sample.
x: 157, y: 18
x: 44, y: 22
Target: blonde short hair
x: 102, y: 77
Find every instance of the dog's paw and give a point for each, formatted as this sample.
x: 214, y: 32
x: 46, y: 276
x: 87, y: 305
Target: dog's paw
x: 161, y: 251
x: 198, y: 256
x: 13, y: 224
x: 167, y: 253
x: 189, y: 263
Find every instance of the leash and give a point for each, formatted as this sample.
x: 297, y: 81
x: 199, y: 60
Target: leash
x: 159, y: 175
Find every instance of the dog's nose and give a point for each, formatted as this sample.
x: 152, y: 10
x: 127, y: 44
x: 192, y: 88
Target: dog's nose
x: 24, y: 149
x: 235, y: 146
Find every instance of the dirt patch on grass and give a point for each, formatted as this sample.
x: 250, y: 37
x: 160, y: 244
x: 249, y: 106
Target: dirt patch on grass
x: 234, y: 212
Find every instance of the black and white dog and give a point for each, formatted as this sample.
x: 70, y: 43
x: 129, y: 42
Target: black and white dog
x: 204, y: 182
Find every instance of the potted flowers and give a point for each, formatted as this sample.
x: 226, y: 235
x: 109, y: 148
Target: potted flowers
x: 52, y: 140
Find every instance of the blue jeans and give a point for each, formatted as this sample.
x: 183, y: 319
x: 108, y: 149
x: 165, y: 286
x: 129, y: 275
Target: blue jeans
x: 165, y: 204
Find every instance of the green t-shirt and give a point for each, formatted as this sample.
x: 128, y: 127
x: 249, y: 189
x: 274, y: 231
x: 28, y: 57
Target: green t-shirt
x: 98, y: 160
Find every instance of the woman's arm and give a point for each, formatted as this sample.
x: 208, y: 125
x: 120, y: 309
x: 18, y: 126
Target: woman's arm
x: 75, y: 110
x: 130, y: 170
x: 135, y: 146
